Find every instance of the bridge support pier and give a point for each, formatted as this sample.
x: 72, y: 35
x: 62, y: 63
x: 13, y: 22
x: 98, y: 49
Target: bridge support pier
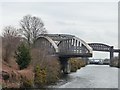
x: 65, y: 66
x: 111, y: 54
x: 119, y: 59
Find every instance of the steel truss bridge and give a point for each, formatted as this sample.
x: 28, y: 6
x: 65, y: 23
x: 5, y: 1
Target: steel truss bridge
x: 67, y: 46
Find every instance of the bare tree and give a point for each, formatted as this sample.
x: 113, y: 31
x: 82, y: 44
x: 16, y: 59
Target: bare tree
x: 31, y: 28
x: 10, y: 41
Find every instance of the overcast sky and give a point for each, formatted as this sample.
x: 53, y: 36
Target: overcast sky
x: 90, y: 21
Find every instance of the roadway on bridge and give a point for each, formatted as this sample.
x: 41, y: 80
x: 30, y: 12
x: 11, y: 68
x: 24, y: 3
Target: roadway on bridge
x: 93, y: 76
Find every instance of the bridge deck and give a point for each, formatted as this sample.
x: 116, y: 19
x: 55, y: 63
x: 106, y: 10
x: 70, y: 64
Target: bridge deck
x: 74, y: 54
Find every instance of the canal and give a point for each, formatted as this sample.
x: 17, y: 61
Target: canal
x: 91, y: 76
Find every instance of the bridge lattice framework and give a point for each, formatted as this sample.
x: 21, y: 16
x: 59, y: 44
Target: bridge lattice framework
x: 105, y: 48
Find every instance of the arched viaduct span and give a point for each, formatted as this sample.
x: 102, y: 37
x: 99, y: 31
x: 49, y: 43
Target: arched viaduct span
x: 64, y: 46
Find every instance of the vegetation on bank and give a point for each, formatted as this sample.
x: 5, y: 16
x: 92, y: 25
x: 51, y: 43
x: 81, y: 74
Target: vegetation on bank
x: 22, y: 56
x: 115, y: 62
x: 27, y: 66
x: 76, y: 63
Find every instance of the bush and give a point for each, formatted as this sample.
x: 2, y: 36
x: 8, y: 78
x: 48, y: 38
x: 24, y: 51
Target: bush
x: 53, y: 70
x: 79, y: 64
x: 48, y: 63
x: 27, y: 83
x: 76, y: 64
x: 22, y: 56
x: 40, y: 76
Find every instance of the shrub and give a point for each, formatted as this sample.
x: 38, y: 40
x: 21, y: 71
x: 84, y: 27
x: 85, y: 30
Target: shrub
x: 40, y: 76
x: 3, y: 86
x: 76, y: 64
x: 53, y: 70
x: 83, y: 63
x: 27, y: 83
x: 79, y: 64
x: 48, y: 63
x: 22, y: 56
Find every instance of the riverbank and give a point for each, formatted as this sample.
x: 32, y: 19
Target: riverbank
x: 12, y: 77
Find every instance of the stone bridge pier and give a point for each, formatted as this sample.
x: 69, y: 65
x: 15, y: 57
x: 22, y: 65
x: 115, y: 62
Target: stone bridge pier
x: 65, y: 65
x: 111, y: 54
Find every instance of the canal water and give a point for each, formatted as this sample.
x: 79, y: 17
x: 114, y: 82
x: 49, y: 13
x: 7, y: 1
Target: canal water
x: 91, y: 76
